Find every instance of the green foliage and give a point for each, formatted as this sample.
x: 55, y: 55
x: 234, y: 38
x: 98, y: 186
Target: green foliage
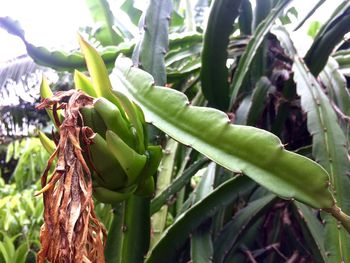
x: 30, y: 161
x: 238, y: 148
x: 150, y: 51
x: 329, y: 35
x: 329, y: 143
x: 246, y: 60
x: 314, y: 28
x: 214, y: 73
x: 103, y: 18
x: 21, y: 218
x: 244, y: 204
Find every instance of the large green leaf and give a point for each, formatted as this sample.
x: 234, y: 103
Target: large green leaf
x: 329, y: 145
x: 249, y: 150
x: 246, y: 60
x: 327, y: 38
x: 103, y: 18
x: 175, y: 235
x: 149, y: 52
x: 62, y: 61
x: 214, y: 72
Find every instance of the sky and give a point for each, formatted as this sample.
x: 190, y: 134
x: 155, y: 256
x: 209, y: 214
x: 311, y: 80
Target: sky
x: 53, y: 23
x: 46, y: 23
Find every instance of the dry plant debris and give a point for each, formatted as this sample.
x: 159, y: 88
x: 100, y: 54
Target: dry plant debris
x: 71, y: 231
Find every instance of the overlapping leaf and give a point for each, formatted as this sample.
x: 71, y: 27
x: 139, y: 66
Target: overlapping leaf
x: 249, y: 150
x: 329, y: 145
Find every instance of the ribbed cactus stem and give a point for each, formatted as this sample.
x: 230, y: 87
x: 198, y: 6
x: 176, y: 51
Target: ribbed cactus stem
x: 114, y: 243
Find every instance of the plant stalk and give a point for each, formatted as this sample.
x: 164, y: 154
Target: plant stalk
x: 114, y: 241
x: 136, y: 229
x: 343, y: 218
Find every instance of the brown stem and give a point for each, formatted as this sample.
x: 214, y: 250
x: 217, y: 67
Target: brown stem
x: 343, y: 218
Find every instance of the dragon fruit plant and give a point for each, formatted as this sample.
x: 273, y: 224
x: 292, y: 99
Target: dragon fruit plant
x: 102, y: 151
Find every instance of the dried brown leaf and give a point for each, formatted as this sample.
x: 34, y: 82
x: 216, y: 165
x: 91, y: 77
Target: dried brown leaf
x: 71, y: 231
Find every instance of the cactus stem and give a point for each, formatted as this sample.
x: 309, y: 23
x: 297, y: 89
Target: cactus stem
x: 343, y: 218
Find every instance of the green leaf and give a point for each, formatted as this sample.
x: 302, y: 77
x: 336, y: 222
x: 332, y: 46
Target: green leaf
x: 228, y: 239
x: 83, y: 83
x: 45, y: 92
x: 64, y: 61
x: 134, y: 13
x: 4, y: 253
x: 201, y: 244
x: 314, y: 28
x: 329, y: 145
x: 103, y: 17
x: 174, y: 236
x: 182, y: 55
x: 21, y: 253
x: 48, y: 144
x: 179, y: 40
x: 214, y: 72
x: 97, y: 71
x: 176, y: 185
x: 258, y: 102
x: 245, y: 62
x: 149, y: 52
x: 251, y: 108
x: 327, y: 38
x: 245, y: 18
x: 249, y: 150
x: 7, y: 246
x: 184, y: 71
x: 201, y: 241
x: 102, y: 85
x: 312, y: 230
x: 335, y: 83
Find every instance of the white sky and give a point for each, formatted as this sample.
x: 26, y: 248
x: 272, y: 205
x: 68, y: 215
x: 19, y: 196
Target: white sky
x: 49, y: 23
x: 53, y: 23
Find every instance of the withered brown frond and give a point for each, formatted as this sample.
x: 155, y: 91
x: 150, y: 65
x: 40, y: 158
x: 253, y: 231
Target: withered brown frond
x: 71, y: 231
